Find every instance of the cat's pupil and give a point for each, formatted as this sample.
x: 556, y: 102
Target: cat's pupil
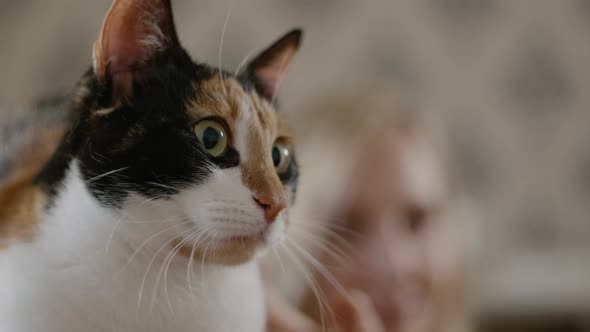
x: 276, y: 156
x: 210, y: 137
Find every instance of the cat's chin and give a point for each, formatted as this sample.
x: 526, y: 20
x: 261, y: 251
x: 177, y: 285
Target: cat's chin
x: 233, y: 250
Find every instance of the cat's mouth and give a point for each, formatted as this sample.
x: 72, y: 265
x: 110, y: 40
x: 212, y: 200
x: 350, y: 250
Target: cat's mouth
x: 257, y: 237
x: 234, y: 249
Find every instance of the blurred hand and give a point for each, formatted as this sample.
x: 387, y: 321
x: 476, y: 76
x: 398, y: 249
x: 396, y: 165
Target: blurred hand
x: 357, y: 314
x: 283, y: 317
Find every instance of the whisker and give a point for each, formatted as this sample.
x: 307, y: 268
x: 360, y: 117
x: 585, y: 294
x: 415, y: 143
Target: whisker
x: 110, y: 239
x: 145, y: 242
x: 100, y: 176
x: 220, y: 49
x: 330, y: 230
x: 326, y: 246
x: 244, y: 61
x: 325, y: 222
x: 166, y: 265
x: 321, y: 269
x: 193, y: 249
x: 209, y: 240
x: 120, y: 220
x: 276, y: 252
x: 151, y: 199
x: 215, y: 243
x: 156, y: 221
x: 324, y: 232
x: 163, y: 186
x: 143, y: 281
x: 334, y: 228
x: 317, y: 292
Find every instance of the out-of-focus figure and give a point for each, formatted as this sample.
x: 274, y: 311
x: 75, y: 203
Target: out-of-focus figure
x: 392, y: 232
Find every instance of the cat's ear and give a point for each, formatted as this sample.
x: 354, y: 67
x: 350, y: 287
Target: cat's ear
x: 269, y: 67
x: 134, y: 33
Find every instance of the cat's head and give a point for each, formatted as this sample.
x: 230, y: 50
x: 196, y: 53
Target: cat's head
x: 170, y: 139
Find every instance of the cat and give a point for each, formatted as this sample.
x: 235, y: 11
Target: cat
x: 171, y: 177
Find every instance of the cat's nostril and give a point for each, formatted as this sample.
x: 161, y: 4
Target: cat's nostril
x: 271, y: 204
x: 262, y: 205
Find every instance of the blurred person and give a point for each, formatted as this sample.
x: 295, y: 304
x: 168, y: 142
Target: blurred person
x: 392, y: 218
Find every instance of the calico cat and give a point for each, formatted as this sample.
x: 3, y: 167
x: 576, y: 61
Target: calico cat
x: 171, y: 177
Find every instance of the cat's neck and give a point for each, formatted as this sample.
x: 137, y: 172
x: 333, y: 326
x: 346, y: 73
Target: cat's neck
x: 88, y: 249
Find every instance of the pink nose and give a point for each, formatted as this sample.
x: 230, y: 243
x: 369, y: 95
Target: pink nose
x: 272, y: 204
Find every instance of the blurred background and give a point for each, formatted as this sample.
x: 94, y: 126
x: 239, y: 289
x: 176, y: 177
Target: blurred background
x: 507, y: 81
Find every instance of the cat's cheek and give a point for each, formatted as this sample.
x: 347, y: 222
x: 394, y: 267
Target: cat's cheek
x: 223, y: 205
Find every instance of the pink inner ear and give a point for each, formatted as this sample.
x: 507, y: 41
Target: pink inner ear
x: 271, y: 75
x: 132, y: 33
x: 268, y: 78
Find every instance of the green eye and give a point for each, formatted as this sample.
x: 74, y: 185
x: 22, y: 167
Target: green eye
x: 281, y: 158
x: 213, y: 136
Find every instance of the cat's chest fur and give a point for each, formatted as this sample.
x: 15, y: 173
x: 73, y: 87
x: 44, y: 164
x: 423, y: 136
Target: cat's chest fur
x: 67, y: 280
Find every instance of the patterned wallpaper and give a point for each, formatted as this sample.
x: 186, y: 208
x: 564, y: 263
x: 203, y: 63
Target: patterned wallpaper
x: 509, y: 78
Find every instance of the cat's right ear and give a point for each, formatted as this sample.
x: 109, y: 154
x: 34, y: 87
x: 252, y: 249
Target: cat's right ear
x: 134, y: 34
x: 269, y: 67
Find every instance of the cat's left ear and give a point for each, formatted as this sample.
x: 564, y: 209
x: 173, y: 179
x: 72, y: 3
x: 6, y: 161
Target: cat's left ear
x: 269, y: 67
x: 134, y: 34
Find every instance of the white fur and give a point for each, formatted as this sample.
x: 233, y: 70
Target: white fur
x: 77, y: 274
x: 243, y: 129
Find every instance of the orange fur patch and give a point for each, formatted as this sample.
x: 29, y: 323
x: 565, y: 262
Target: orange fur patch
x: 20, y: 200
x: 228, y: 252
x: 226, y: 99
x: 20, y: 205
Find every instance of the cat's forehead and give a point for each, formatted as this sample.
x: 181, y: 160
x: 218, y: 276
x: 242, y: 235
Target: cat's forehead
x: 228, y: 99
